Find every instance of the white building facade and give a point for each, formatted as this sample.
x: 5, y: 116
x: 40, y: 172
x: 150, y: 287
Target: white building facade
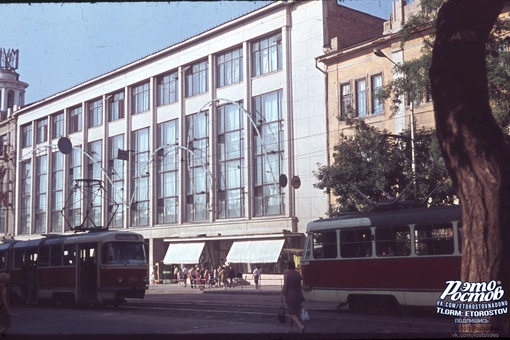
x: 209, y: 143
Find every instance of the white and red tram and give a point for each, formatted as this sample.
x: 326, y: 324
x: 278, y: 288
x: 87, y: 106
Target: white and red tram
x: 382, y: 259
x: 94, y: 267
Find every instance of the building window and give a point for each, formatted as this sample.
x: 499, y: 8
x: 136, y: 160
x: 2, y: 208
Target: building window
x: 75, y: 119
x: 94, y: 199
x: 140, y: 98
x: 140, y: 181
x: 115, y: 106
x: 377, y: 102
x: 167, y: 167
x: 116, y: 171
x: 197, y: 78
x: 73, y: 203
x: 230, y: 67
x: 41, y: 133
x: 26, y: 198
x: 267, y: 55
x: 3, y: 149
x: 57, y: 192
x: 41, y: 181
x: 167, y: 88
x: 269, y: 150
x: 230, y: 201
x: 10, y: 99
x: 57, y: 125
x: 345, y: 101
x: 197, y: 179
x: 96, y: 113
x: 26, y: 135
x: 361, y: 98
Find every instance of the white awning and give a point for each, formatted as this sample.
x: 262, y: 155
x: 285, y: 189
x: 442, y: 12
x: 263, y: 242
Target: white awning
x: 261, y: 251
x: 185, y: 253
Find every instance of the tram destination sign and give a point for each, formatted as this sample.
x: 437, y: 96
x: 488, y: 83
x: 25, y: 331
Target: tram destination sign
x: 9, y: 59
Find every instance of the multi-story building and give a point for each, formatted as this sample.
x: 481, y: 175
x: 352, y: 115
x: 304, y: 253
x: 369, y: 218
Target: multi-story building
x: 12, y: 96
x: 206, y: 147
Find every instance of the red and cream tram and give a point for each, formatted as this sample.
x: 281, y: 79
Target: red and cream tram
x: 382, y: 259
x: 94, y: 267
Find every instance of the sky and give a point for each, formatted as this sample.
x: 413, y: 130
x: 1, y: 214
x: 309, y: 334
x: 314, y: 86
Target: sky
x: 64, y: 44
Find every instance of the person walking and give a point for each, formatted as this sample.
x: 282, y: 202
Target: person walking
x: 5, y: 306
x: 256, y: 276
x: 292, y: 295
x: 231, y: 276
x: 184, y: 275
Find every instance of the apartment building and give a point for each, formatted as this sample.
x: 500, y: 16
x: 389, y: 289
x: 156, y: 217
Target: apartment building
x: 207, y: 147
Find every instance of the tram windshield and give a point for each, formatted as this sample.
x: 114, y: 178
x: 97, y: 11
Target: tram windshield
x: 123, y: 253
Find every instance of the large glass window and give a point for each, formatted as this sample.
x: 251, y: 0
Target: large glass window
x: 57, y: 127
x: 377, y: 102
x: 140, y: 98
x: 41, y: 182
x: 95, y: 195
x: 324, y: 245
x: 361, y: 98
x: 116, y: 172
x: 434, y: 239
x: 123, y: 253
x: 57, y: 192
x: 197, y: 179
x: 167, y: 166
x: 269, y: 144
x: 73, y: 203
x: 95, y: 112
x: 26, y: 135
x: 393, y: 241
x: 26, y: 198
x: 197, y: 78
x: 230, y: 67
x: 75, y: 119
x: 115, y: 106
x: 140, y: 181
x: 230, y: 161
x: 267, y: 55
x: 167, y: 88
x: 355, y: 242
x: 41, y: 134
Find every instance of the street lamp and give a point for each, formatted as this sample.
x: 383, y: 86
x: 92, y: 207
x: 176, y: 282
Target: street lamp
x: 381, y: 54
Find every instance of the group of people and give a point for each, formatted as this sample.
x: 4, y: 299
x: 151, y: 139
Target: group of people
x: 201, y: 277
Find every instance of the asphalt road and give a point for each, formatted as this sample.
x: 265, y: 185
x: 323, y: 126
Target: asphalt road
x: 171, y: 311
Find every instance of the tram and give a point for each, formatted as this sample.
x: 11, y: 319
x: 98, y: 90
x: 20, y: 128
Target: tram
x: 382, y: 259
x: 98, y: 267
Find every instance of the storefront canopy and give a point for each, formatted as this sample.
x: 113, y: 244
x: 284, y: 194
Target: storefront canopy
x: 261, y: 251
x: 185, y: 253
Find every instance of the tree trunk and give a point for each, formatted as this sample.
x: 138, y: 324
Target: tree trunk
x: 476, y: 155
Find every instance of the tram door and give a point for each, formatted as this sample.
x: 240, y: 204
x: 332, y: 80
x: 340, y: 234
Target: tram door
x: 87, y: 269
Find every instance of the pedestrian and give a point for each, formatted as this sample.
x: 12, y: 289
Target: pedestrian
x: 231, y: 275
x: 256, y: 276
x: 292, y: 295
x: 207, y: 277
x: 176, y: 272
x: 223, y: 277
x: 5, y: 307
x: 185, y: 275
x: 191, y: 274
x: 153, y: 277
x: 179, y: 277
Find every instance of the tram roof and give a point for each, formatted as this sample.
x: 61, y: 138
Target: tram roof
x: 388, y: 218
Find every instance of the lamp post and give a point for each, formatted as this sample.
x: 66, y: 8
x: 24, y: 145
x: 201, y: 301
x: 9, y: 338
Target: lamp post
x: 381, y: 54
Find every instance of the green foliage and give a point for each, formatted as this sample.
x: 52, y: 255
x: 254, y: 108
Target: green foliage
x: 373, y: 167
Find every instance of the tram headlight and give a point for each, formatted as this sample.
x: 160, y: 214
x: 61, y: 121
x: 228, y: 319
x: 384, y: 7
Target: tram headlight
x: 119, y: 280
x: 145, y: 280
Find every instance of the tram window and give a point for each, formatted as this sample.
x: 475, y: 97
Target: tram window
x: 434, y: 239
x: 44, y: 256
x: 123, y: 253
x: 69, y: 255
x: 355, y: 243
x: 324, y: 245
x: 393, y: 241
x: 18, y: 259
x: 3, y: 260
x: 56, y: 256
